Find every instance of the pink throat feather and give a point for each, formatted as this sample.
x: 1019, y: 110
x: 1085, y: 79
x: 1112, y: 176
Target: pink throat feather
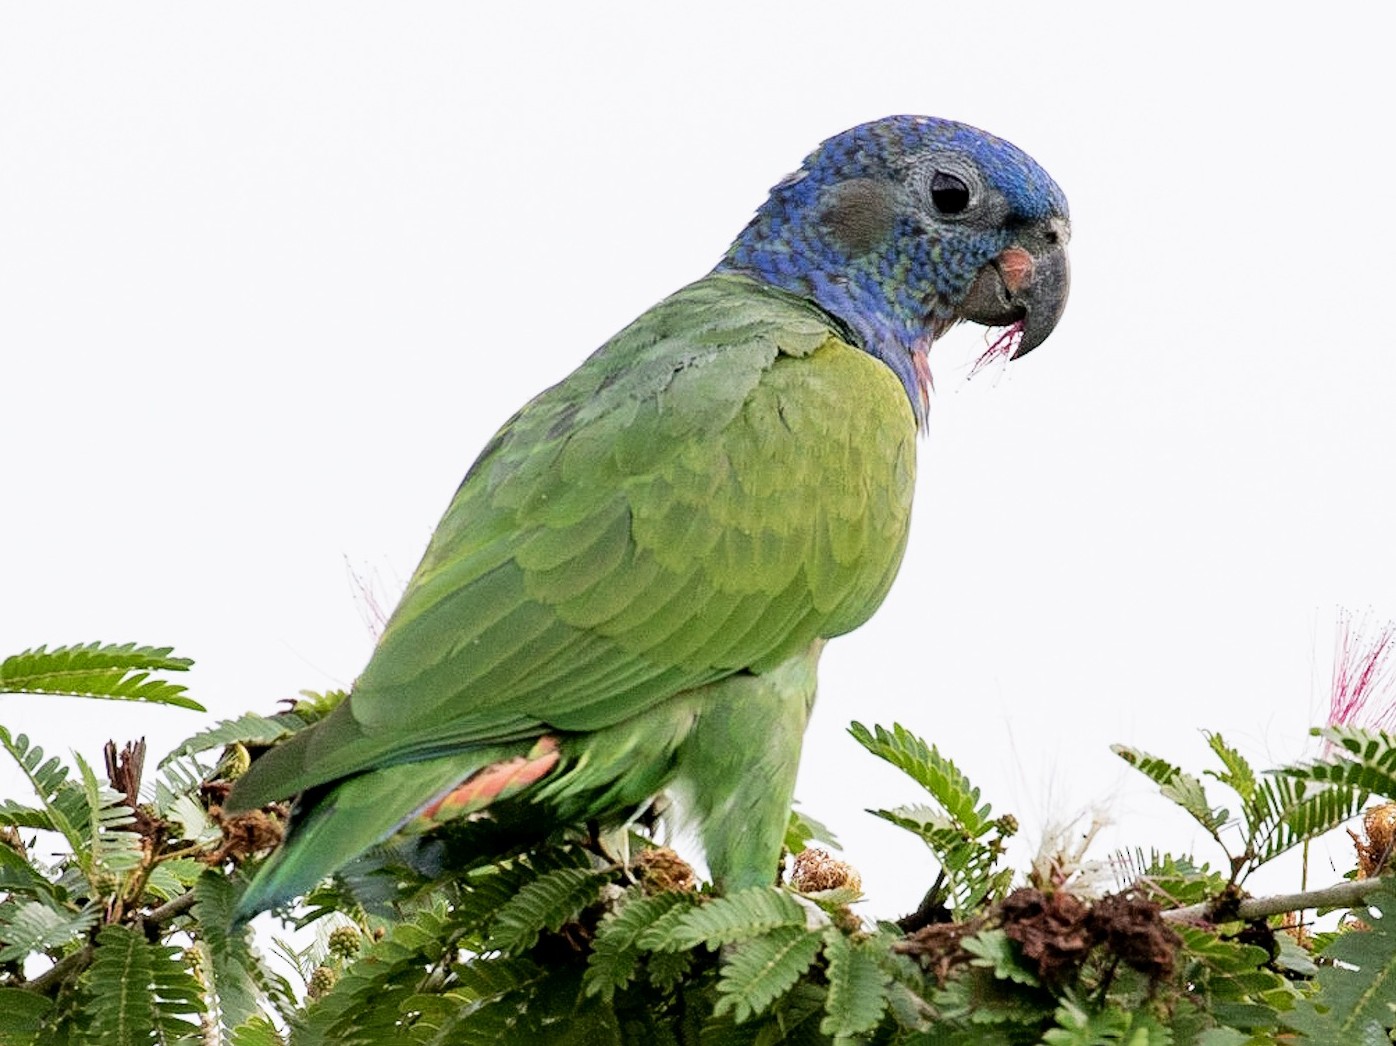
x: 1002, y: 347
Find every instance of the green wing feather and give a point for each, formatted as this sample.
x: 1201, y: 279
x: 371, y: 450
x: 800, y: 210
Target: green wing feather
x: 719, y: 486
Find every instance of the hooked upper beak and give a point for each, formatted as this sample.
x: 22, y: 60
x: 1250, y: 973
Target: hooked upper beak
x: 1026, y: 283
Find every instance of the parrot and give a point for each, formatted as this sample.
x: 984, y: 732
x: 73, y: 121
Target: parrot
x: 629, y: 592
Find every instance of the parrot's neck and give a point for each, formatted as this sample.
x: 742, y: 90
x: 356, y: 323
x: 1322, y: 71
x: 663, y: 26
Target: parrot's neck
x: 890, y: 330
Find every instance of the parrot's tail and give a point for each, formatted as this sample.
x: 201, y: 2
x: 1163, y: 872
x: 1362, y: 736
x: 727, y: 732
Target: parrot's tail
x: 371, y: 807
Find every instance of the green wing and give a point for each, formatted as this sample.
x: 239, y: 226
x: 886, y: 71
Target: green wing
x: 722, y: 483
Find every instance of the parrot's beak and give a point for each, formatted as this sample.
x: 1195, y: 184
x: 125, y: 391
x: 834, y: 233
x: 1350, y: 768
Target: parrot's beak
x: 1025, y: 284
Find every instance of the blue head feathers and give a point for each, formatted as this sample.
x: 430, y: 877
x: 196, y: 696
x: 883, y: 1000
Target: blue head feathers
x: 888, y: 225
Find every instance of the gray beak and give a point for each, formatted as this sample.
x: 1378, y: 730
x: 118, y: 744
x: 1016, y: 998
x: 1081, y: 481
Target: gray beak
x: 1024, y: 283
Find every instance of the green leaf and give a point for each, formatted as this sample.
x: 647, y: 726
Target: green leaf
x: 22, y: 1015
x: 962, y: 833
x: 193, y: 820
x: 109, y: 848
x: 136, y: 992
x: 63, y: 802
x: 1357, y: 759
x: 229, y: 959
x: 857, y: 993
x: 119, y: 672
x: 737, y: 917
x: 1233, y: 977
x: 18, y: 876
x: 1080, y: 1025
x: 1224, y: 1037
x: 761, y: 969
x: 364, y: 1006
x: 36, y: 927
x: 259, y: 1031
x: 994, y: 950
x: 667, y: 970
x: 968, y: 864
x: 802, y: 831
x: 976, y: 997
x: 615, y: 952
x: 172, y: 877
x: 246, y: 729
x: 1175, y: 882
x: 1182, y: 788
x: 1289, y: 811
x: 938, y: 775
x: 501, y: 1002
x: 546, y: 903
x: 1237, y: 775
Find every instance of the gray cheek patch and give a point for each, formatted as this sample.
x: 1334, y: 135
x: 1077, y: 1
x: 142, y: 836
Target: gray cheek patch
x: 859, y: 214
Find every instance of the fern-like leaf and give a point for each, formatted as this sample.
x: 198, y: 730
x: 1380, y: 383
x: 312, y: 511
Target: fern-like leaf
x: 667, y: 970
x: 119, y: 672
x: 1290, y: 811
x: 246, y: 729
x: 615, y: 952
x: 1233, y: 977
x: 364, y: 1008
x: 1079, y: 1025
x: 229, y: 959
x: 994, y: 950
x: 747, y: 913
x: 802, y: 831
x: 259, y: 1031
x: 22, y: 1015
x: 1358, y: 759
x: 545, y: 903
x: 857, y: 993
x: 1182, y: 788
x: 137, y: 992
x: 20, y: 878
x: 1237, y: 773
x: 63, y: 806
x: 32, y: 926
x: 935, y: 773
x: 967, y: 862
x: 108, y: 847
x: 762, y: 969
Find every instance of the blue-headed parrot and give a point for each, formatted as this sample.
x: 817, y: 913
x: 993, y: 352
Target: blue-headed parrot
x: 631, y: 588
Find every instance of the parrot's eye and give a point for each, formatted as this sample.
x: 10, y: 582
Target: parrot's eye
x: 949, y: 194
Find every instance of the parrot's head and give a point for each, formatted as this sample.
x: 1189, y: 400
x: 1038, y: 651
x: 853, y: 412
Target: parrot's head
x: 905, y: 226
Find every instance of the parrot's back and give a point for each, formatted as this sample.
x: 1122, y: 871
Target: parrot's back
x: 712, y: 494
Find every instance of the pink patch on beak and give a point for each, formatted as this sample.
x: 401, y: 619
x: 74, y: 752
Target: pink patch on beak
x: 1015, y: 267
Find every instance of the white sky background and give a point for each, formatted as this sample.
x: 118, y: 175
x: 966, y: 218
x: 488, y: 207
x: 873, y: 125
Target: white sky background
x: 271, y: 275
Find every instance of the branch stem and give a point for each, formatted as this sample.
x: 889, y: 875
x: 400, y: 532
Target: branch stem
x: 1340, y: 895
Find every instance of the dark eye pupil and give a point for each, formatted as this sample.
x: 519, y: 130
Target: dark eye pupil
x: 948, y: 193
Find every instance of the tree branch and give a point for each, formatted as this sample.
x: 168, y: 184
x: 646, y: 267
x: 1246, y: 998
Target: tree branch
x: 75, y: 962
x: 1341, y: 895
x: 68, y: 966
x: 170, y: 909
